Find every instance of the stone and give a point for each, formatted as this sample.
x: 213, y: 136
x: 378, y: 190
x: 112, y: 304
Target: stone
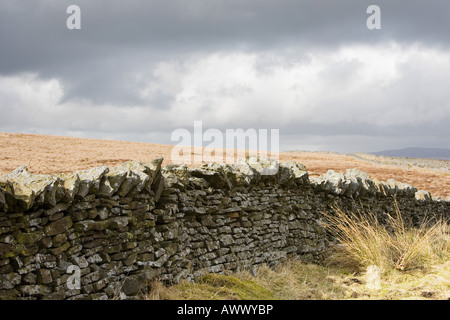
x: 29, y: 278
x: 9, y: 280
x: 9, y: 294
x: 226, y: 239
x: 131, y: 259
x: 135, y: 283
x: 57, y: 251
x: 34, y: 290
x: 44, y: 276
x: 29, y: 238
x: 2, y: 199
x: 113, y: 181
x: 264, y: 165
x: 331, y: 181
x: 215, y: 178
x: 292, y: 172
x: 5, y: 248
x: 58, y: 226
x: 79, y: 215
x: 28, y: 187
x: 142, y: 174
x: 59, y: 239
x: 46, y: 242
x: 423, y: 195
x: 154, y: 167
x: 90, y: 180
x: 175, y: 175
x: 394, y: 187
x: 56, y: 209
x: 119, y: 222
x: 90, y: 278
x: 242, y: 174
x: 84, y: 226
x: 71, y: 183
x: 81, y: 262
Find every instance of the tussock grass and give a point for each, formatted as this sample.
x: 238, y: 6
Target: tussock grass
x: 364, y: 241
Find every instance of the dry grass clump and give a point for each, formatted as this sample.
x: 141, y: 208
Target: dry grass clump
x: 364, y: 241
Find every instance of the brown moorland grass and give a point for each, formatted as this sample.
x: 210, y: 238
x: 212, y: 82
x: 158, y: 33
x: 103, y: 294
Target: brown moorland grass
x: 54, y: 154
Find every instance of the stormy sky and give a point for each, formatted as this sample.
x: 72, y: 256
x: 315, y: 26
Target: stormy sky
x: 139, y: 69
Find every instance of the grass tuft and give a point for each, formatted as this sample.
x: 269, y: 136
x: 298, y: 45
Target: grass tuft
x: 364, y: 241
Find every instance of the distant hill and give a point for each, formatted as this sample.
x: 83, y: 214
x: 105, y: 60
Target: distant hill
x: 426, y: 153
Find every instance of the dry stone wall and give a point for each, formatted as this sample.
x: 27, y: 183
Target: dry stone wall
x: 124, y: 226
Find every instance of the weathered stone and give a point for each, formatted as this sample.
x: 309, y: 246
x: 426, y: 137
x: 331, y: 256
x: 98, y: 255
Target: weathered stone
x: 46, y: 242
x: 113, y: 181
x: 90, y: 180
x: 120, y: 256
x: 29, y: 278
x: 90, y: 278
x: 242, y: 174
x: 131, y: 259
x: 226, y: 239
x: 61, y: 249
x: 95, y: 259
x: 44, y: 276
x: 9, y: 294
x: 5, y: 248
x: 34, y: 290
x: 423, y: 195
x: 214, y: 177
x: 394, y: 187
x: 71, y: 183
x: 175, y: 175
x: 264, y: 165
x: 58, y: 226
x: 2, y: 199
x: 58, y: 208
x: 59, y: 239
x: 141, y: 173
x: 119, y: 222
x: 134, y: 284
x: 9, y: 280
x: 292, y: 172
x: 28, y: 187
x: 84, y: 226
x: 79, y: 215
x: 29, y: 238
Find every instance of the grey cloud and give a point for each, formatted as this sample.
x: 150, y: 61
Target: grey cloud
x: 116, y: 37
x: 34, y: 35
x: 96, y: 66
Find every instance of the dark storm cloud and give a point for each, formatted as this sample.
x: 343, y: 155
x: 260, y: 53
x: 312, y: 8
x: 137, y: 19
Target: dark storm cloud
x: 120, y: 37
x: 149, y: 56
